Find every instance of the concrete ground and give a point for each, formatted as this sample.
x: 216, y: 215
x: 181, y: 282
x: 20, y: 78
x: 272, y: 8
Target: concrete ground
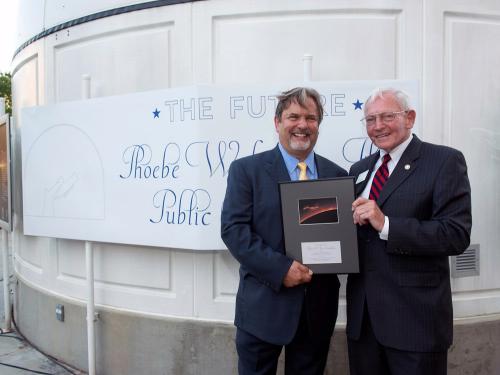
x: 17, y: 356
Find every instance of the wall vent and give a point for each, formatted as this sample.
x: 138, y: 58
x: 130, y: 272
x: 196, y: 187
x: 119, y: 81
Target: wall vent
x: 466, y: 264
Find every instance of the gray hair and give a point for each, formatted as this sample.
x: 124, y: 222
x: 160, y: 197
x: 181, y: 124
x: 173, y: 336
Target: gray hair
x: 401, y: 97
x: 298, y: 95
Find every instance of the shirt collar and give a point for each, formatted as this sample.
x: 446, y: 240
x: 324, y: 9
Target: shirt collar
x: 291, y: 161
x: 397, y: 152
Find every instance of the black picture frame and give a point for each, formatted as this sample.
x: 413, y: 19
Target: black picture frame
x: 317, y: 224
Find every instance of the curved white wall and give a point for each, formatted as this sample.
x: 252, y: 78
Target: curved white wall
x: 451, y: 47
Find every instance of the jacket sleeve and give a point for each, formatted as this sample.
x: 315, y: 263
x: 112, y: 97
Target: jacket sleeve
x: 447, y: 230
x: 242, y: 232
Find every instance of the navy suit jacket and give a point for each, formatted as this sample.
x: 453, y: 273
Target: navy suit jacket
x: 405, y: 281
x: 251, y: 228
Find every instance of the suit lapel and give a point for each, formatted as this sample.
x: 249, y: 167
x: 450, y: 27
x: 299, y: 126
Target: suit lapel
x: 275, y: 166
x: 359, y: 187
x: 321, y: 168
x: 405, y: 167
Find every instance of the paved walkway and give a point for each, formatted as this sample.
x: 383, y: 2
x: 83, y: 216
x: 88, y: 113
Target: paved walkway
x: 17, y: 356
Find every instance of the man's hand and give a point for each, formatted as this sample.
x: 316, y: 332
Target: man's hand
x: 366, y: 211
x: 297, y: 274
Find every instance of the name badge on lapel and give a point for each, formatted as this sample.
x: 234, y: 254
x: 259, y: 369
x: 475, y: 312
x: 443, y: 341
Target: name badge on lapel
x: 362, y: 177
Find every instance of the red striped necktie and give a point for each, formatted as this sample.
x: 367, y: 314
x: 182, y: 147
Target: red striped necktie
x: 380, y: 178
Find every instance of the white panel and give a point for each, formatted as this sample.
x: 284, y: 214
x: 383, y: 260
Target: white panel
x: 266, y: 43
x: 225, y: 271
x: 127, y: 62
x: 25, y: 81
x: 127, y: 53
x: 146, y: 267
x: 270, y: 48
x: 462, y: 85
x: 216, y: 285
x: 475, y: 303
x: 70, y: 259
x: 128, y: 266
x: 28, y: 250
x: 144, y: 279
x: 435, y: 93
x: 174, y: 298
x: 25, y: 89
x: 472, y: 84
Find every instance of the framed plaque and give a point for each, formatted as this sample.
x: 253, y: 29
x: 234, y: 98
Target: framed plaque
x: 318, y: 226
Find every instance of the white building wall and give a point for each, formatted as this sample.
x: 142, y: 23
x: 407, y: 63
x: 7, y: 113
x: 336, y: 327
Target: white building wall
x: 451, y: 47
x: 462, y: 89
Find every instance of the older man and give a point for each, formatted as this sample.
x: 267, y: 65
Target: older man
x: 413, y: 211
x: 279, y: 302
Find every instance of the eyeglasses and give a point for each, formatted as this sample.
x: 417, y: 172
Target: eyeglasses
x: 385, y: 117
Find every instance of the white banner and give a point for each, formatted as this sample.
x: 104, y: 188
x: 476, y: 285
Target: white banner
x: 150, y: 168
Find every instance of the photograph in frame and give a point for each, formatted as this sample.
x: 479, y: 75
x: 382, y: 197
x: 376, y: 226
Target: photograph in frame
x: 318, y: 226
x: 318, y: 211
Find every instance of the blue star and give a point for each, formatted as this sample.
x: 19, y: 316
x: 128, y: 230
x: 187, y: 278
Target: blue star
x: 357, y: 104
x: 156, y: 113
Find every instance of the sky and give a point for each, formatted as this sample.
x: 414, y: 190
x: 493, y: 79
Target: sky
x: 8, y: 30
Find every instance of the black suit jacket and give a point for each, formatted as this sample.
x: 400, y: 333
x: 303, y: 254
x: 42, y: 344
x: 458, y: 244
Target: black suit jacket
x: 405, y: 281
x: 251, y: 228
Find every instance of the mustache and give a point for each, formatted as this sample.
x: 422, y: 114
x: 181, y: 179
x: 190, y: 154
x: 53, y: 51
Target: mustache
x: 305, y: 132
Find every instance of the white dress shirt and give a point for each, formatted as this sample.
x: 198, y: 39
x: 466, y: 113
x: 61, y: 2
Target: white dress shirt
x: 396, y: 154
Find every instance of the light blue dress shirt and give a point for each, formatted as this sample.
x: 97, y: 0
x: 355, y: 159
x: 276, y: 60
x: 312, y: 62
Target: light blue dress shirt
x: 291, y: 165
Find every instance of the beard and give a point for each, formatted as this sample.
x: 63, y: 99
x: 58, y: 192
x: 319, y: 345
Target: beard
x: 300, y: 145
